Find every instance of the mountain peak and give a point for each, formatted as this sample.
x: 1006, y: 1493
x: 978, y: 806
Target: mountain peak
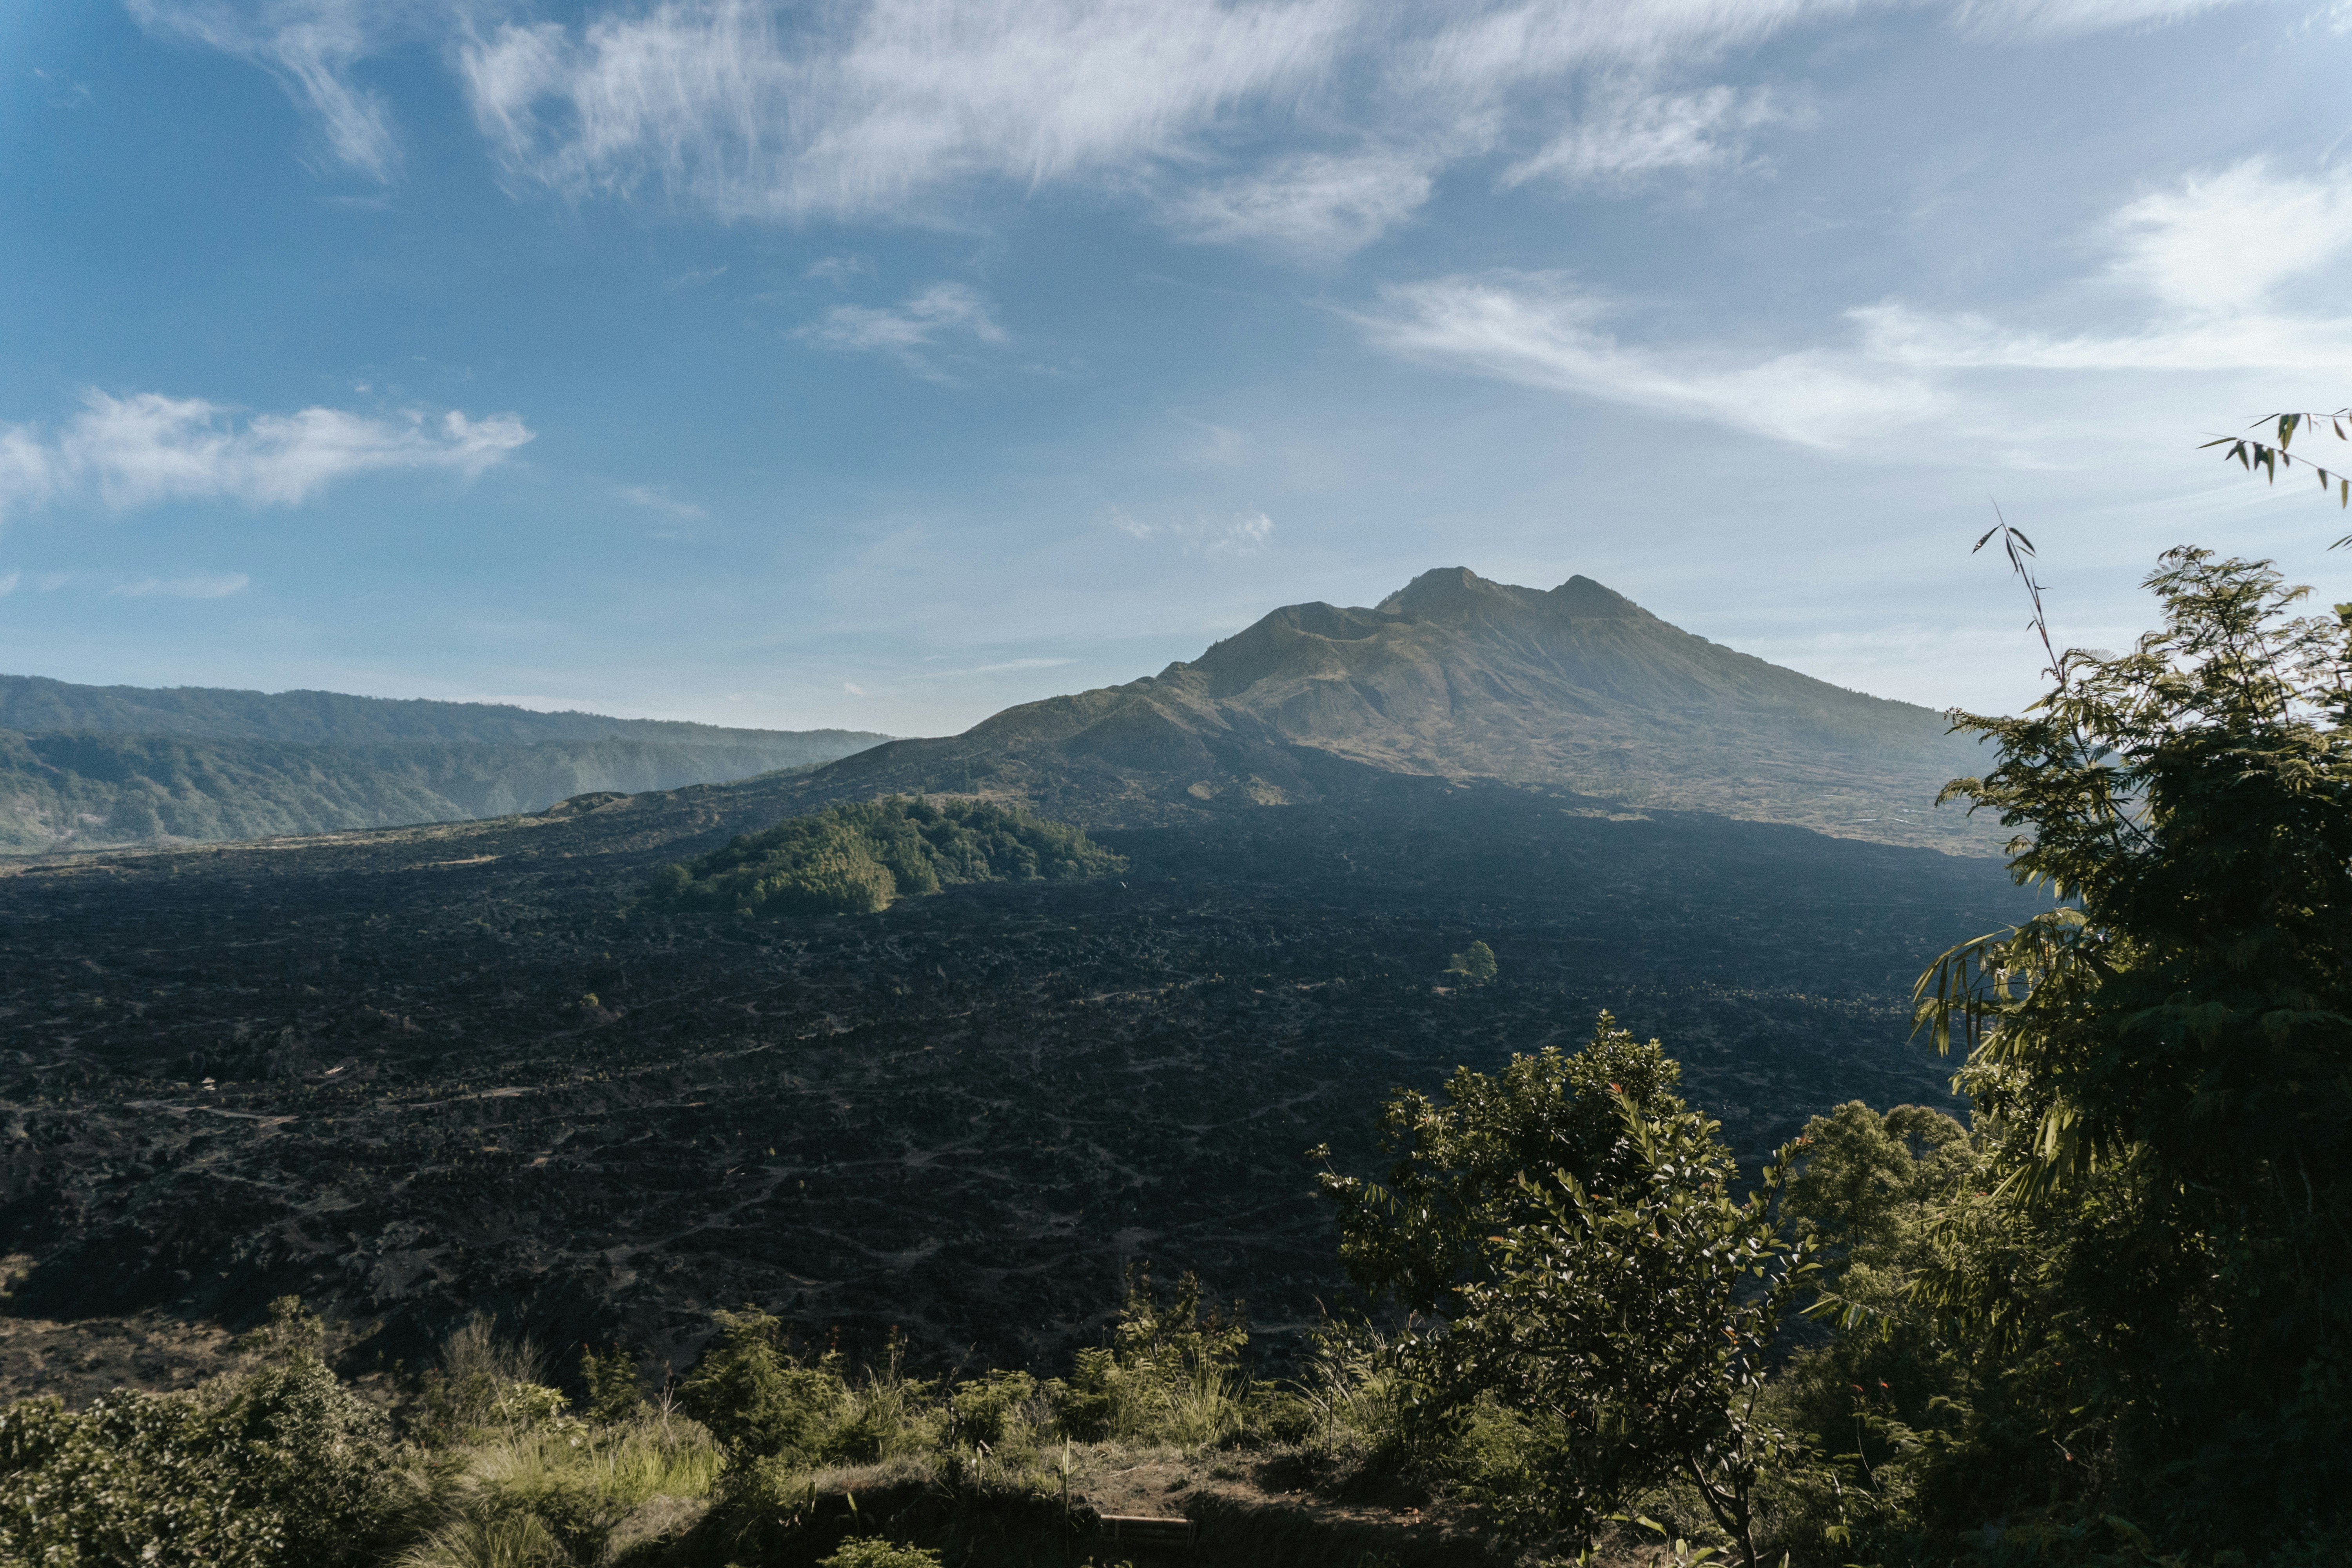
x: 1454, y: 595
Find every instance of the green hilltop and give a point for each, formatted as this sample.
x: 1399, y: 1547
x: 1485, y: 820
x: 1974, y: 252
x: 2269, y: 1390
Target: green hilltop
x: 854, y: 857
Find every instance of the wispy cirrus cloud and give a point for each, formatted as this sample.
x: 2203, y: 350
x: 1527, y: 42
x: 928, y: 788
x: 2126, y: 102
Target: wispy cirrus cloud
x: 1541, y: 330
x: 1627, y: 136
x: 1001, y: 667
x: 909, y: 331
x: 2068, y: 19
x: 658, y: 499
x: 135, y: 451
x: 754, y: 111
x: 1243, y: 534
x: 309, y: 46
x: 898, y: 109
x: 2196, y: 273
x: 200, y: 585
x: 1314, y: 203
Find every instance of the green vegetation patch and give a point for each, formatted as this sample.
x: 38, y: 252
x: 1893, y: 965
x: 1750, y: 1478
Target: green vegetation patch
x: 856, y: 857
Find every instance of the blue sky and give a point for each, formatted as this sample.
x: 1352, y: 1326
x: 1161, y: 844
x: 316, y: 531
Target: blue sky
x: 883, y: 363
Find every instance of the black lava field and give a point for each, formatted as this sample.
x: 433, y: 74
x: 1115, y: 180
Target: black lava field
x: 453, y: 1068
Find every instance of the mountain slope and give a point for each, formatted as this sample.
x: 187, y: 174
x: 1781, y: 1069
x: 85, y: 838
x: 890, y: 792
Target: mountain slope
x: 1576, y: 689
x: 97, y: 767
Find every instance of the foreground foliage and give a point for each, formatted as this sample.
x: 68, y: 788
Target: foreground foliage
x: 2157, y: 1264
x: 1599, y: 1308
x: 856, y: 857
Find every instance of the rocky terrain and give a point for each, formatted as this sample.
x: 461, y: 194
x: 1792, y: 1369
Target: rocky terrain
x: 413, y: 1073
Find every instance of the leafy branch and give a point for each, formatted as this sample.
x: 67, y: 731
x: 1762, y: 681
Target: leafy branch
x: 2272, y: 455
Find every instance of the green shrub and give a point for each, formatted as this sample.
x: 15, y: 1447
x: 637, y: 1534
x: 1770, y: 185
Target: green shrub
x: 1171, y: 1373
x: 990, y: 1409
x: 872, y: 1554
x: 759, y: 1399
x: 614, y: 1392
x: 284, y: 1467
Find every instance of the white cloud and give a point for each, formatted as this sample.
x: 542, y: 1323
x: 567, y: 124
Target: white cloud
x: 8, y: 581
x: 655, y: 498
x: 1314, y: 203
x: 906, y: 331
x: 309, y: 45
x: 202, y: 585
x: 1243, y: 534
x: 2197, y: 269
x: 1637, y: 134
x: 853, y: 689
x: 2209, y: 256
x: 135, y: 451
x: 1539, y: 329
x: 695, y: 277
x: 2223, y: 242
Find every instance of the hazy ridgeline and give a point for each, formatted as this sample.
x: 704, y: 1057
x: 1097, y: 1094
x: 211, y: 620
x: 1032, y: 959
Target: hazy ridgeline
x: 87, y: 767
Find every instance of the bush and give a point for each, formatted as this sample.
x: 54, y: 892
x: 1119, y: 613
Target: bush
x: 870, y: 1553
x: 990, y: 1410
x: 1171, y: 1373
x: 285, y: 1467
x: 759, y: 1399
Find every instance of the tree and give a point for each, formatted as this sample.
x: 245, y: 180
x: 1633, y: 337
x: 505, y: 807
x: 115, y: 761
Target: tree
x: 1630, y: 1326
x: 1568, y: 1227
x: 1475, y: 964
x: 2161, y: 1065
x: 1454, y: 1167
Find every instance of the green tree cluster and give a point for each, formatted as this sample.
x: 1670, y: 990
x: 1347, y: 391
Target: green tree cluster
x: 2158, y: 1256
x: 2108, y: 1321
x: 853, y: 858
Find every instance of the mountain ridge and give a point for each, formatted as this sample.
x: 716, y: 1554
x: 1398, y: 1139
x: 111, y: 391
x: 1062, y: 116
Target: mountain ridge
x: 107, y: 767
x: 35, y: 703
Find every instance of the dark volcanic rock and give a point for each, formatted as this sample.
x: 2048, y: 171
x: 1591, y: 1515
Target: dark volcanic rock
x: 965, y: 1115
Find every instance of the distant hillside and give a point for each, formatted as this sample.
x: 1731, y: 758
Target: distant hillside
x: 30, y: 703
x: 1577, y: 689
x: 95, y: 767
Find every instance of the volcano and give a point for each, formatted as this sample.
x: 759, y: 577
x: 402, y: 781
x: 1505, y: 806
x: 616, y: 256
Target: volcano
x: 1576, y: 689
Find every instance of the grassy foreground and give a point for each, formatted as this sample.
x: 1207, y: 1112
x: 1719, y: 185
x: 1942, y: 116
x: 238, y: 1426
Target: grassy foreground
x: 761, y: 1455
